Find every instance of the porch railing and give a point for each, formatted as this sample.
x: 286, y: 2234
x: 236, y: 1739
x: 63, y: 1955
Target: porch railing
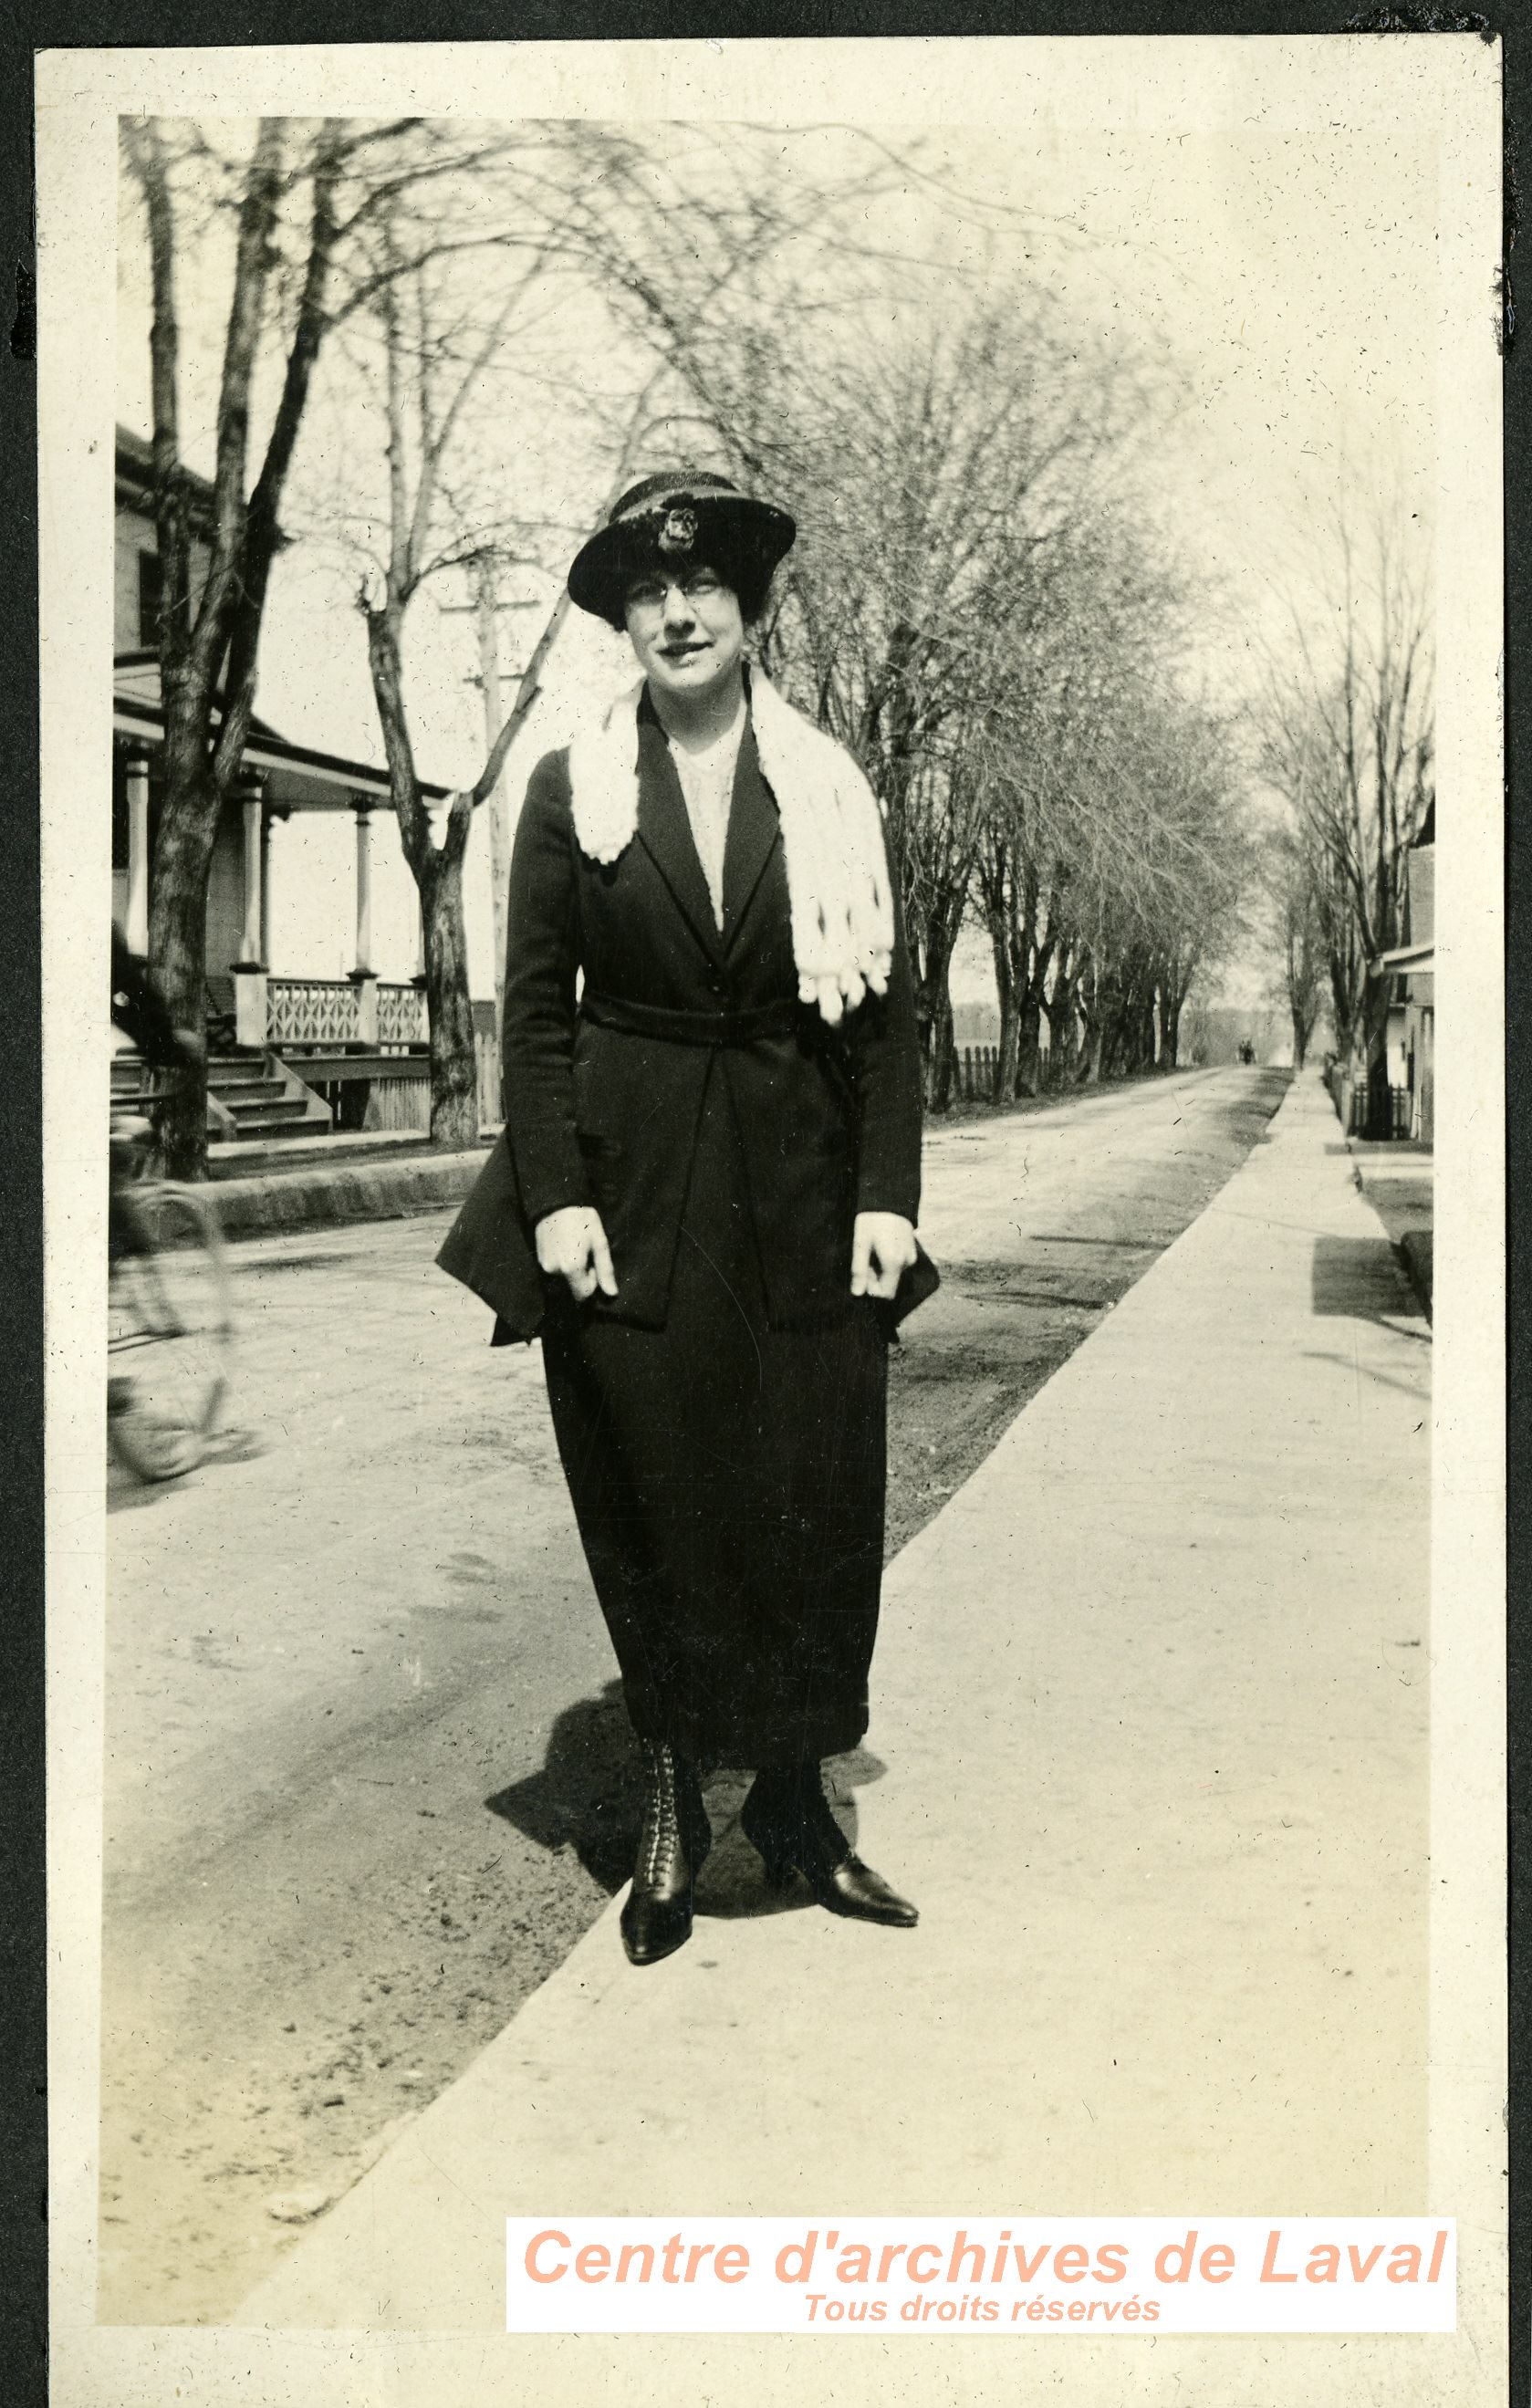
x: 401, y: 1015
x: 343, y: 1012
x: 313, y: 1011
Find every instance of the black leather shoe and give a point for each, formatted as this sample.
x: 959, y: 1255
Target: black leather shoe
x: 673, y: 1843
x: 790, y: 1824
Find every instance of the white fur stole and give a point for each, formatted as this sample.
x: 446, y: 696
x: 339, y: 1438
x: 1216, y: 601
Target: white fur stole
x: 832, y: 837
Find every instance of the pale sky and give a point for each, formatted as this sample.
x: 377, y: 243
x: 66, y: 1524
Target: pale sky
x: 1289, y: 275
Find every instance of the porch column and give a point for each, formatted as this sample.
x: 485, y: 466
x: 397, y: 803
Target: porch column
x: 273, y: 813
x: 137, y: 912
x: 252, y: 787
x: 362, y: 806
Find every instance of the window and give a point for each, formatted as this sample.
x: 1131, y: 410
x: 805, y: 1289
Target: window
x: 149, y: 589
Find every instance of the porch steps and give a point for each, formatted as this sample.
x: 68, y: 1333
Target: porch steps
x: 249, y: 1097
x: 262, y: 1098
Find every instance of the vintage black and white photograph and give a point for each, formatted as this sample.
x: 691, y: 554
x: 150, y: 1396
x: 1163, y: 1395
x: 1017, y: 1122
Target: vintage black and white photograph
x: 762, y: 1518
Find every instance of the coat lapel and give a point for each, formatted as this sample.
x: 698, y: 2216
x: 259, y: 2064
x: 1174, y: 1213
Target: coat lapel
x: 754, y: 831
x: 665, y: 833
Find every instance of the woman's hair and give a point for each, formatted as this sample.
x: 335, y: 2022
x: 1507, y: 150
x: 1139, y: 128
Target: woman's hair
x: 751, y: 587
x: 747, y: 579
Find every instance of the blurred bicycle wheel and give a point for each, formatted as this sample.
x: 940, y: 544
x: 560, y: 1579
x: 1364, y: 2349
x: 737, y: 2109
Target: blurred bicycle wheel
x: 171, y: 1324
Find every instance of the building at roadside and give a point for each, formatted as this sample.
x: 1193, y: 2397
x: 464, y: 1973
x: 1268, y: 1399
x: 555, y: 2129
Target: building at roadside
x: 1410, y: 967
x: 286, y: 1054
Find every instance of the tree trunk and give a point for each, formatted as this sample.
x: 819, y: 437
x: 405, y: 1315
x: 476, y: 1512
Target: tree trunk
x: 454, y: 1080
x: 1061, y: 1013
x: 931, y: 963
x: 1175, y: 1005
x: 1028, y: 1073
x: 1164, y: 1018
x: 1008, y: 1052
x: 1109, y: 1013
x: 1035, y: 968
x: 1145, y: 1033
x: 1346, y: 1001
x: 437, y: 872
x: 1005, y: 989
x: 177, y: 945
x: 943, y: 1051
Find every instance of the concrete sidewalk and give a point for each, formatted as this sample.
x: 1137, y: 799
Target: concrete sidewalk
x: 1150, y: 1722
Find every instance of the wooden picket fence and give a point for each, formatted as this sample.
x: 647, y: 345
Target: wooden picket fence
x: 1365, y: 1111
x: 976, y: 1067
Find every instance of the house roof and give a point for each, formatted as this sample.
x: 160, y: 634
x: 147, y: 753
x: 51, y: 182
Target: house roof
x: 136, y: 675
x: 136, y: 484
x: 135, y: 477
x: 137, y: 711
x: 1415, y: 958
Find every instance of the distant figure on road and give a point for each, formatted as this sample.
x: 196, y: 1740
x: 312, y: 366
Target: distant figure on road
x: 705, y: 1197
x: 1247, y: 1052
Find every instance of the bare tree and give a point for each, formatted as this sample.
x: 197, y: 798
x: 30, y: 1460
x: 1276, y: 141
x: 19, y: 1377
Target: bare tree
x: 936, y: 475
x: 208, y: 636
x: 1111, y: 860
x: 1346, y: 737
x: 303, y: 200
x: 434, y: 350
x: 1294, y: 881
x: 1071, y: 700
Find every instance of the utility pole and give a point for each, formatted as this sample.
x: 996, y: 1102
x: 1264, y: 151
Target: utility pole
x: 486, y: 607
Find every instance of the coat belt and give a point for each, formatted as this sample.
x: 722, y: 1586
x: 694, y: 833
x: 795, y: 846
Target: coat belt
x: 777, y: 1019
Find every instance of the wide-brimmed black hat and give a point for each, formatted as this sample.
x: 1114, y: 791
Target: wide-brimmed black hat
x: 666, y: 521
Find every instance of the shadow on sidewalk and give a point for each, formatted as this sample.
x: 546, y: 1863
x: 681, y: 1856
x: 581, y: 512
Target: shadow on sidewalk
x: 1360, y: 1278
x: 587, y: 1796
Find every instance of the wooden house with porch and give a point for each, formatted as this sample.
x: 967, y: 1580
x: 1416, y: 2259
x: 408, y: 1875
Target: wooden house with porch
x: 1395, y: 1098
x: 1411, y: 969
x: 286, y: 1055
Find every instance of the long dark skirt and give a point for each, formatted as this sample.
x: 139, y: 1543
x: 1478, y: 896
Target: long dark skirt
x: 728, y: 1481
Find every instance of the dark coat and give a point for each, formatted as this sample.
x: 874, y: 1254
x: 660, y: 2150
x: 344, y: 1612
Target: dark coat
x: 607, y: 1115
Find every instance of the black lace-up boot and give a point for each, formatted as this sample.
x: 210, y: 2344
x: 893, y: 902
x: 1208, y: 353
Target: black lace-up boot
x: 787, y: 1818
x: 673, y: 1842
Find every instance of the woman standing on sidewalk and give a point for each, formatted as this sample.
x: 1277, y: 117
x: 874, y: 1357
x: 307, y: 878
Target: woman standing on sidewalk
x: 713, y: 1155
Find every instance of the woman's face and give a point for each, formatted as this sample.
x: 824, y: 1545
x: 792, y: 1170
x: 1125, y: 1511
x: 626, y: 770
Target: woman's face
x: 686, y: 628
